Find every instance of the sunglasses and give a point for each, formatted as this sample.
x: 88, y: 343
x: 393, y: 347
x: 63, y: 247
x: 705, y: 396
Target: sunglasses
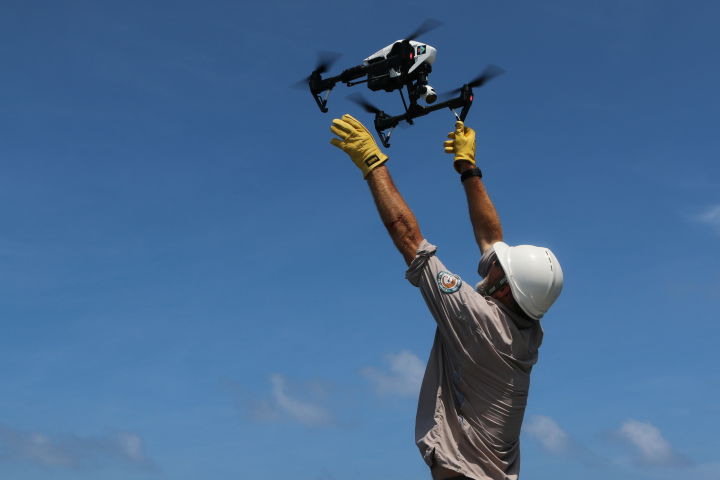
x: 500, y: 283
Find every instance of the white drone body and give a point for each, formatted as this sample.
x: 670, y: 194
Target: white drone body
x: 423, y: 53
x: 404, y: 67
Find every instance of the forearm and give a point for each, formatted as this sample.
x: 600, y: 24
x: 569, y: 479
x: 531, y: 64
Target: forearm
x: 483, y: 216
x: 394, y: 212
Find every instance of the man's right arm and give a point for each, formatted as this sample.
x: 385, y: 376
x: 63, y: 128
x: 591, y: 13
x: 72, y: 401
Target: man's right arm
x: 394, y: 212
x: 355, y: 140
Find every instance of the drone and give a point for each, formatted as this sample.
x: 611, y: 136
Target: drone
x: 404, y: 64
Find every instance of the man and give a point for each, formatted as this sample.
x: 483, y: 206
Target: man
x: 474, y: 393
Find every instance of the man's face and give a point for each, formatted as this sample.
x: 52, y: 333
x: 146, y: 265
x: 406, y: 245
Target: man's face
x: 495, y: 283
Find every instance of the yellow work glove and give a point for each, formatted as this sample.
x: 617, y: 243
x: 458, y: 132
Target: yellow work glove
x: 358, y: 142
x: 462, y: 144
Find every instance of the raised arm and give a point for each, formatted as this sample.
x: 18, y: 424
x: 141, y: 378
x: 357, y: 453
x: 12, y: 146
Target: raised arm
x: 483, y: 216
x: 358, y: 143
x: 395, y: 214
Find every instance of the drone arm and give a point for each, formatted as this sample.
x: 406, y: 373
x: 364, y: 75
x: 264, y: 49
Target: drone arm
x: 374, y: 68
x: 383, y: 122
x: 318, y: 85
x: 353, y: 73
x: 453, y: 103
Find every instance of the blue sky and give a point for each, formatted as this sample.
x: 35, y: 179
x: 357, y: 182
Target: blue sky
x: 196, y: 283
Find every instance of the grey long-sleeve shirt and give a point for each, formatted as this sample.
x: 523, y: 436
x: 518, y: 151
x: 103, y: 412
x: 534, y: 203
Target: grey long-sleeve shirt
x: 475, y: 388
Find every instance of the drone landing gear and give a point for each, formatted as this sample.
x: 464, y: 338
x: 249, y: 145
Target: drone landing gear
x: 318, y: 86
x: 384, y: 126
x: 322, y: 102
x: 463, y: 112
x: 385, y: 137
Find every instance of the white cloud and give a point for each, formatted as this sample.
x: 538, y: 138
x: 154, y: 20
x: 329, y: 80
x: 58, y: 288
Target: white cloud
x: 38, y: 448
x: 405, y: 374
x: 131, y: 447
x: 72, y: 451
x: 302, y: 411
x: 649, y: 444
x: 548, y: 433
x: 711, y: 217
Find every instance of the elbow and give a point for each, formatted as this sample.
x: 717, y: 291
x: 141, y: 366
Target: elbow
x: 408, y: 246
x: 405, y: 235
x: 486, y: 241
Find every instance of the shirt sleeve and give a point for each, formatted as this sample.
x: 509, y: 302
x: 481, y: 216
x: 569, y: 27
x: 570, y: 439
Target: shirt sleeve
x: 464, y: 317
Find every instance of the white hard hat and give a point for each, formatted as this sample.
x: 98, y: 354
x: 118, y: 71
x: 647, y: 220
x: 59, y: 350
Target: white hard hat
x: 534, y: 275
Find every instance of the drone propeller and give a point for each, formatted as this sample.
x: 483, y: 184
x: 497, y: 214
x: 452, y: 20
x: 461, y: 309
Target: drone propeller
x: 490, y: 72
x: 426, y: 26
x: 325, y: 60
x: 362, y: 101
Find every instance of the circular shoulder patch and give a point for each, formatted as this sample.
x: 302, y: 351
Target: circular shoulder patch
x: 448, y: 282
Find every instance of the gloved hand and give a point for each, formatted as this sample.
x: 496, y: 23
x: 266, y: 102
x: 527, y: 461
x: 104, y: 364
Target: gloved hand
x: 462, y: 144
x: 358, y: 142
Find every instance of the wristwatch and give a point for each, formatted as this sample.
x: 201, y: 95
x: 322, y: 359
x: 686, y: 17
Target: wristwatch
x: 470, y: 172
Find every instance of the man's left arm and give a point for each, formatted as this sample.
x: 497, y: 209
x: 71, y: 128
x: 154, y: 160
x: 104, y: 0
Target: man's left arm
x: 483, y: 216
x: 355, y: 140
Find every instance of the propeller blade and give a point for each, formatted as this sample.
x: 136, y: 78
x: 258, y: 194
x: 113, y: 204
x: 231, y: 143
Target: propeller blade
x: 301, y: 83
x: 362, y: 101
x: 325, y: 60
x: 490, y: 72
x: 426, y: 26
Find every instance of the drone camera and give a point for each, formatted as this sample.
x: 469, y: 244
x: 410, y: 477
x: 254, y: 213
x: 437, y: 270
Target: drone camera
x: 428, y: 94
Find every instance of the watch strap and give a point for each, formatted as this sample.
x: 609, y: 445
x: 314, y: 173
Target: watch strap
x: 471, y: 172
